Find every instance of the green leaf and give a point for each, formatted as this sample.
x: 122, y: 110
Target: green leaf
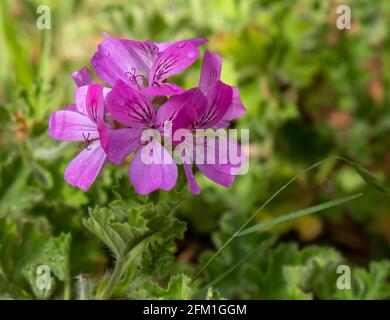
x: 115, y: 235
x: 25, y: 246
x: 289, y: 273
x: 138, y: 235
x: 295, y: 277
x: 30, y: 273
x: 297, y: 214
x: 19, y: 244
x: 213, y: 294
x: 161, y: 247
x: 371, y: 284
x: 178, y: 288
x: 55, y: 254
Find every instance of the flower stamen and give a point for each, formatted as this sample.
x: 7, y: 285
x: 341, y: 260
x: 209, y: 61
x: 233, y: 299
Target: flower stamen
x: 133, y: 77
x: 87, y: 143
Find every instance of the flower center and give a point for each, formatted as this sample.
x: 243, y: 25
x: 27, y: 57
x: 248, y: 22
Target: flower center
x: 87, y: 143
x: 132, y: 76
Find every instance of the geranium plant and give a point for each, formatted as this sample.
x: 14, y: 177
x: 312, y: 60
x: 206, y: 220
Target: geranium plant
x: 132, y: 181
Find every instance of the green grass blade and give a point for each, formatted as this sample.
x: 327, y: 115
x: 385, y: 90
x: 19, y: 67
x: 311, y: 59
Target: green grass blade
x: 317, y: 164
x: 299, y: 213
x: 365, y: 174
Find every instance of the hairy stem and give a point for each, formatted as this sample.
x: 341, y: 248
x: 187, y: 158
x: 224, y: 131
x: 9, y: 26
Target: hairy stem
x: 115, y: 276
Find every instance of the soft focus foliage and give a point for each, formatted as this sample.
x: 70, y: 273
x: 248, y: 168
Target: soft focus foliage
x: 311, y: 92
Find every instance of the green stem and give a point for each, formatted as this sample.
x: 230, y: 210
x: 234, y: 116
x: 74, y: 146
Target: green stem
x: 115, y: 276
x: 68, y: 290
x: 68, y: 282
x: 124, y: 262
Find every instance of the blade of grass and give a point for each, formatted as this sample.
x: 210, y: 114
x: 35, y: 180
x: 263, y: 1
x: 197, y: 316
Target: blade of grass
x: 364, y: 174
x: 252, y: 217
x: 227, y: 272
x: 299, y: 213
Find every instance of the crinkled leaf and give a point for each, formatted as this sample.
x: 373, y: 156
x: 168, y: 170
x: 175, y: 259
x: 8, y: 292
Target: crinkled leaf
x: 213, y: 294
x: 178, y: 288
x: 54, y: 254
x: 115, y: 235
x: 24, y: 247
x: 371, y: 284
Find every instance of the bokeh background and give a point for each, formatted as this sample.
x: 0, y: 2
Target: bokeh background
x: 311, y: 92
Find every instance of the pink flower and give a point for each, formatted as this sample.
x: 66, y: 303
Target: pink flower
x: 144, y: 65
x: 84, y: 122
x: 221, y: 104
x: 134, y: 110
x: 111, y: 123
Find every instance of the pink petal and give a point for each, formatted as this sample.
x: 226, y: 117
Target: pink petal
x: 67, y: 125
x: 146, y: 53
x: 95, y: 103
x: 82, y: 77
x: 236, y: 109
x: 114, y: 61
x: 210, y: 74
x: 162, y: 46
x: 211, y: 70
x: 103, y: 134
x: 219, y: 160
x: 183, y: 109
x: 122, y: 142
x: 173, y: 60
x: 198, y: 41
x: 162, y: 89
x: 71, y: 107
x: 160, y: 173
x: 222, y: 124
x: 194, y: 187
x: 219, y: 98
x: 214, y: 173
x: 83, y: 170
x: 81, y: 98
x: 130, y: 107
x: 191, y: 100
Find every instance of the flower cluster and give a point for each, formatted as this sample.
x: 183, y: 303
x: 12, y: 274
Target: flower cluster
x: 109, y: 120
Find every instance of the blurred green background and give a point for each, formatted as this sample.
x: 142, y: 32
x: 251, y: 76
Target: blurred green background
x: 311, y: 92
